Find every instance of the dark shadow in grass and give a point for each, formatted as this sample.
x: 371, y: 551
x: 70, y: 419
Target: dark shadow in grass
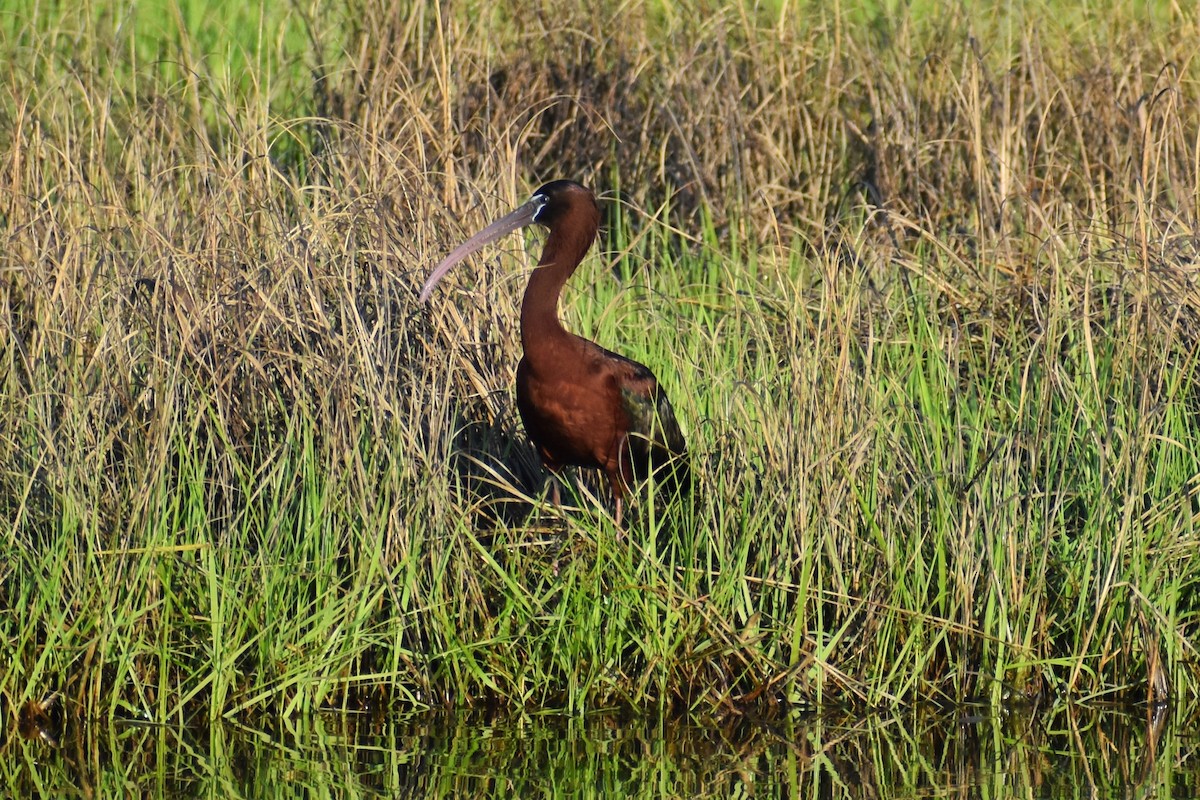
x: 497, y: 468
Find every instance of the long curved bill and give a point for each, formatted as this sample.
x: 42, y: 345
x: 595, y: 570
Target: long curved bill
x: 518, y: 218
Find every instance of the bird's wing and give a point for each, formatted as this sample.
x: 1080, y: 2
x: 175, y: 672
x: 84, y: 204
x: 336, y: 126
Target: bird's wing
x: 656, y: 444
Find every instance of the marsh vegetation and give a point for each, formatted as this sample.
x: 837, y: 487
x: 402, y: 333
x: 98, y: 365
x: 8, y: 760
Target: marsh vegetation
x: 922, y: 287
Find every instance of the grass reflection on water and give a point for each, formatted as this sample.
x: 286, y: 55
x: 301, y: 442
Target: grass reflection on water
x: 1063, y: 753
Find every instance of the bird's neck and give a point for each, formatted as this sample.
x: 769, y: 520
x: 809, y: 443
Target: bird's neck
x: 541, y: 330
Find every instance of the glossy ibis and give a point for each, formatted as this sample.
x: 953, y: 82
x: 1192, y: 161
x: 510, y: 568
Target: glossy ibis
x: 582, y: 405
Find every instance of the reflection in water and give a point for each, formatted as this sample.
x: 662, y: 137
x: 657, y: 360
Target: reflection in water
x: 1065, y: 753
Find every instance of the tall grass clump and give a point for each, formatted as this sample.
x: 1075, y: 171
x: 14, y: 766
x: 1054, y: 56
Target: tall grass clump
x: 921, y: 288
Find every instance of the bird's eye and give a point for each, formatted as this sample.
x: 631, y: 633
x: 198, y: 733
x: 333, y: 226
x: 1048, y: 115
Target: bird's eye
x: 539, y: 200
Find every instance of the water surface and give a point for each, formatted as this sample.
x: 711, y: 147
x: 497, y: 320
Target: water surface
x: 1060, y: 753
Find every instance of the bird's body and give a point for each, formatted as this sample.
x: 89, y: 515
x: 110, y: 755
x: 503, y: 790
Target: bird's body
x: 582, y: 405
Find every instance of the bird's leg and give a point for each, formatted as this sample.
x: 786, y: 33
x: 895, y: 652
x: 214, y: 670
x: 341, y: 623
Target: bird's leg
x: 555, y: 496
x: 618, y: 490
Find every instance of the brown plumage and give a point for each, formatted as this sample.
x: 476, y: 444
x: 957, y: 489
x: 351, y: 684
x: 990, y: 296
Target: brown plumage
x: 582, y: 405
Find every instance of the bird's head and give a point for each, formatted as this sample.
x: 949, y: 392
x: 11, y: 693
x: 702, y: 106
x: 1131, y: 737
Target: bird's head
x: 554, y: 203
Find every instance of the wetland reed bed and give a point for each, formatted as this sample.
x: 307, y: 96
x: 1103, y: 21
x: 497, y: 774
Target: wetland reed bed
x: 922, y: 287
